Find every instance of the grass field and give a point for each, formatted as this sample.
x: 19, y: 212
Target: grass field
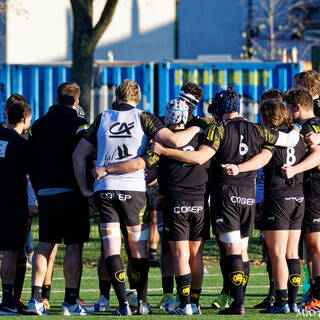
x: 257, y: 290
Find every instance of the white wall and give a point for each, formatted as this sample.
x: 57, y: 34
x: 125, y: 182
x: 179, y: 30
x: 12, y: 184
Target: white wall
x: 140, y: 30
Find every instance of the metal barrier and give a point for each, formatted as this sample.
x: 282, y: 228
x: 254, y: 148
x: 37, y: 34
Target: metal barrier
x: 158, y: 85
x: 248, y: 78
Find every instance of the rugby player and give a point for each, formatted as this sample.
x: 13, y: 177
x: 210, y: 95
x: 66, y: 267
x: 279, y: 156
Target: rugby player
x: 14, y: 200
x: 61, y: 205
x: 283, y: 207
x: 300, y: 103
x: 121, y: 134
x: 183, y: 188
x: 234, y: 199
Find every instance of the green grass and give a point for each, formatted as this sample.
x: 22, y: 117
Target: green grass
x: 257, y: 290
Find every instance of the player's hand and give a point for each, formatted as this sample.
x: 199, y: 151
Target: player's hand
x: 312, y: 138
x: 158, y: 148
x: 287, y: 171
x: 99, y: 172
x: 231, y: 169
x: 33, y: 211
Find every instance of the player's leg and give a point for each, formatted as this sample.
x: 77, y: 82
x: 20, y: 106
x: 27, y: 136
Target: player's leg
x: 277, y: 246
x: 8, y: 272
x: 196, y: 266
x: 46, y: 287
x: 153, y: 239
x: 166, y: 262
x: 294, y: 268
x: 246, y: 264
x: 181, y: 255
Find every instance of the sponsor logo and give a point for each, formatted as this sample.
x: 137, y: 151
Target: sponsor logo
x: 185, y: 290
x: 120, y: 276
x: 220, y: 220
x: 135, y: 276
x: 245, y: 280
x: 271, y: 218
x: 298, y: 199
x: 236, y: 277
x: 121, y: 130
x: 113, y: 195
x: 185, y: 209
x: 295, y: 279
x: 316, y: 220
x: 240, y: 200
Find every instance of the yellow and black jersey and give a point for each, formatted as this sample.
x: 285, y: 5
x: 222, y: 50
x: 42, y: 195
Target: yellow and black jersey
x: 316, y: 107
x: 311, y: 125
x: 273, y: 180
x: 203, y: 123
x: 236, y: 141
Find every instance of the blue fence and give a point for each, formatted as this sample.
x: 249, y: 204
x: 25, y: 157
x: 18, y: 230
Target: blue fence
x: 248, y: 78
x: 159, y: 82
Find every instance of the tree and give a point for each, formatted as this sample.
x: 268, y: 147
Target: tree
x: 85, y: 39
x: 272, y: 21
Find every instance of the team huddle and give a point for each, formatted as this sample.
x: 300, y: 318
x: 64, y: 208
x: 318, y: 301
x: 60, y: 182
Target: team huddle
x: 206, y: 169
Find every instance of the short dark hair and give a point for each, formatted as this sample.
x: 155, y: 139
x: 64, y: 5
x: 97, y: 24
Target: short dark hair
x: 18, y: 111
x: 16, y: 97
x: 271, y: 94
x: 128, y: 90
x: 299, y: 96
x: 194, y: 89
x: 309, y: 80
x: 68, y: 93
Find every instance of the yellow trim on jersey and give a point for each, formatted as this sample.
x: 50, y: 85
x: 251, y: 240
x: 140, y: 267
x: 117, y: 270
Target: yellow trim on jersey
x: 83, y: 127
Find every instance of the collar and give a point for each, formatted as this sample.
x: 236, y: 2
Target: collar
x: 62, y: 109
x: 116, y: 106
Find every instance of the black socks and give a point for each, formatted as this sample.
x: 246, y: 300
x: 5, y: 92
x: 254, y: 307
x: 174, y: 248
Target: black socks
x: 104, y: 286
x: 294, y: 279
x: 183, y: 289
x: 117, y: 276
x: 235, y: 277
x: 139, y: 276
x: 167, y: 284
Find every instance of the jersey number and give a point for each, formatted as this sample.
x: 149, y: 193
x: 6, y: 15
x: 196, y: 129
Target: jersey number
x: 291, y: 158
x: 243, y: 148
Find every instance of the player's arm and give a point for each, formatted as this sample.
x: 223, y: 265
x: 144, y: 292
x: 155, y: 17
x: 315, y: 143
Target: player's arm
x: 279, y: 138
x: 312, y: 138
x: 154, y: 129
x: 198, y: 157
x: 127, y: 166
x: 255, y: 163
x: 311, y: 161
x: 176, y: 139
x: 83, y: 149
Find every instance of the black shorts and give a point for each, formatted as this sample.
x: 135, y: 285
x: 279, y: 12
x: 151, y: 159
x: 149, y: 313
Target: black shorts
x: 311, y: 220
x: 233, y: 208
x: 14, y: 226
x: 152, y: 197
x: 64, y: 216
x: 128, y: 207
x: 184, y: 220
x: 283, y: 213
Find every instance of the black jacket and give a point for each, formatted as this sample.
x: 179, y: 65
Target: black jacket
x: 52, y: 141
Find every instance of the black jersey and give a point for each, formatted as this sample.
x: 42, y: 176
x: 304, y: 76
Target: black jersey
x: 311, y: 125
x: 316, y: 107
x: 182, y: 181
x: 272, y: 171
x: 13, y: 169
x: 235, y: 141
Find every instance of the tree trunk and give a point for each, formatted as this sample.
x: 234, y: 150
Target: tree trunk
x: 85, y: 39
